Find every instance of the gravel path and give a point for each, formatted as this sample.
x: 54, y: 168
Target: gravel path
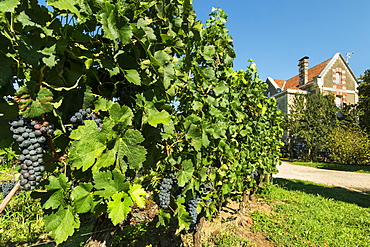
x: 348, y: 180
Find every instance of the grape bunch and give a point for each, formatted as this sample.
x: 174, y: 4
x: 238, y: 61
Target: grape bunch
x: 31, y: 136
x: 77, y: 119
x: 192, y: 208
x: 165, y: 191
x: 207, y: 188
x: 7, y: 186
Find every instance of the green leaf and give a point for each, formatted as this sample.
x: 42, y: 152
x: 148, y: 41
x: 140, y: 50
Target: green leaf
x: 90, y: 128
x: 216, y: 112
x: 56, y: 183
x: 56, y: 200
x: 51, y: 60
x: 182, y: 215
x: 186, y: 173
x: 82, y: 197
x: 103, y: 104
x: 87, y: 147
x: 8, y: 5
x: 209, y: 52
x: 41, y: 105
x: 133, y: 76
x: 168, y: 75
x: 77, y: 7
x: 119, y: 207
x: 138, y: 194
x: 61, y: 223
x: 195, y: 133
x: 155, y: 117
x: 105, y: 160
x: 162, y: 57
x: 108, y: 183
x: 127, y: 146
x: 221, y: 88
x: 115, y: 26
x: 121, y: 113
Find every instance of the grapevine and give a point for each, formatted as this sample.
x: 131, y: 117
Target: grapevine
x: 142, y: 105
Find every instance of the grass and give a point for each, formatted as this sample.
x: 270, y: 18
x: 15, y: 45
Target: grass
x: 309, y: 214
x: 21, y: 221
x: 337, y: 167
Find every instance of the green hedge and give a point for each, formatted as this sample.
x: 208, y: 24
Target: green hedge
x: 349, y: 146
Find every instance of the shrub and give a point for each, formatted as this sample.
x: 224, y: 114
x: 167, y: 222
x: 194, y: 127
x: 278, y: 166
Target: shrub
x: 349, y: 146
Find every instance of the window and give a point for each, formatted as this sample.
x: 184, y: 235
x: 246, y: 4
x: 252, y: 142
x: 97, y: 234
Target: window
x: 338, y: 78
x: 339, y: 101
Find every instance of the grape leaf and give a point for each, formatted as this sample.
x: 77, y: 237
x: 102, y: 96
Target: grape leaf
x: 70, y: 5
x: 162, y: 57
x: 55, y: 200
x: 51, y: 59
x: 88, y: 145
x: 119, y: 207
x: 34, y: 108
x: 56, y: 183
x: 221, y: 88
x: 108, y: 183
x: 186, y: 173
x: 121, y: 114
x: 115, y: 26
x: 105, y: 160
x: 133, y: 76
x: 61, y: 223
x: 82, y: 197
x: 182, y: 215
x: 137, y: 194
x: 127, y: 147
x: 8, y: 5
x: 85, y: 153
x: 103, y: 104
x: 155, y: 117
x: 194, y: 132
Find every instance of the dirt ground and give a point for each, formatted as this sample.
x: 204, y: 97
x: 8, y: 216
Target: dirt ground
x: 241, y: 225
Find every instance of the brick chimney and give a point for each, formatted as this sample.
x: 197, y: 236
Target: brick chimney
x: 303, y: 70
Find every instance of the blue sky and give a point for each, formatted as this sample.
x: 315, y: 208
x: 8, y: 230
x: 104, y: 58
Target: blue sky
x: 277, y: 33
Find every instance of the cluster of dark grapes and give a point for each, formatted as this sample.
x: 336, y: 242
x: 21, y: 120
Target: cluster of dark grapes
x: 31, y: 136
x: 7, y: 186
x: 78, y: 118
x: 165, y: 191
x: 207, y: 188
x: 192, y: 208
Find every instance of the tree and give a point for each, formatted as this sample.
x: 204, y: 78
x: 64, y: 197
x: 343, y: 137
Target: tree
x: 311, y: 118
x: 364, y: 101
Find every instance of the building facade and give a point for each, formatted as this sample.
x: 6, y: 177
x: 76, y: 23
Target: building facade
x: 333, y: 77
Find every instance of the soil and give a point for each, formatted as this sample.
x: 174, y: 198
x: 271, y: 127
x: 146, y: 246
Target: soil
x: 230, y: 220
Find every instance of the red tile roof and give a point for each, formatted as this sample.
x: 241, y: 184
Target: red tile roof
x: 293, y: 82
x: 280, y: 83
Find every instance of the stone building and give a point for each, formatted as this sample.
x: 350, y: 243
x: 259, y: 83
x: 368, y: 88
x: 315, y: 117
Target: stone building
x: 333, y: 76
